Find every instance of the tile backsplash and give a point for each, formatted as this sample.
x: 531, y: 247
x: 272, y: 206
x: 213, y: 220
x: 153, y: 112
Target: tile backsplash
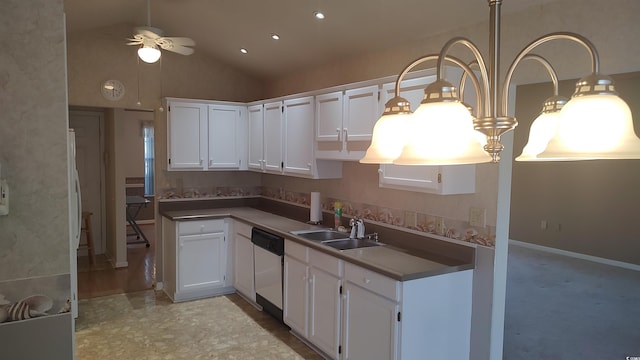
x: 418, y: 221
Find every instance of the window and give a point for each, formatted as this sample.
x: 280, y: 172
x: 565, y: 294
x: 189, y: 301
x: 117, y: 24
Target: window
x: 147, y: 132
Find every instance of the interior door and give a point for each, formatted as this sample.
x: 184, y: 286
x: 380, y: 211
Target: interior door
x: 87, y: 126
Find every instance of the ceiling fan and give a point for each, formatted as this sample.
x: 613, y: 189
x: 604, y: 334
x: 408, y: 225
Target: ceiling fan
x: 150, y: 38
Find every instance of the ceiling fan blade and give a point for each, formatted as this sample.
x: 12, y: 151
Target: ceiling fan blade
x: 184, y: 41
x: 182, y: 50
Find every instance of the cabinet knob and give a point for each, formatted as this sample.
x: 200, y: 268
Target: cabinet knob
x: 379, y: 171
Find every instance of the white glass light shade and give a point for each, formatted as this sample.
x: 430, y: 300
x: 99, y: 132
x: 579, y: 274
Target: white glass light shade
x: 597, y: 126
x: 542, y: 130
x: 388, y: 139
x: 149, y: 53
x: 441, y: 133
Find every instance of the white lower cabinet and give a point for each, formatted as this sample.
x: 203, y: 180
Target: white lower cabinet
x: 371, y: 313
x: 426, y: 318
x: 243, y: 279
x: 312, y: 306
x: 348, y: 312
x: 195, y: 259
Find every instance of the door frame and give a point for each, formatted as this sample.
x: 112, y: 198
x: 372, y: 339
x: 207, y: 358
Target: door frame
x: 101, y: 116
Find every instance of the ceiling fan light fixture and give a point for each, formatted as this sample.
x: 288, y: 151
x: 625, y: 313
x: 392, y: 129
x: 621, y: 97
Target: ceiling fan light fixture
x: 319, y: 15
x: 149, y: 53
x: 244, y: 51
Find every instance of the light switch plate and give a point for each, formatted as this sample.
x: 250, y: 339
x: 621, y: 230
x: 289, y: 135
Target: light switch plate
x: 477, y: 217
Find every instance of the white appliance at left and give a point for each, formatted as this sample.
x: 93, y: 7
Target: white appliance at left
x: 75, y: 218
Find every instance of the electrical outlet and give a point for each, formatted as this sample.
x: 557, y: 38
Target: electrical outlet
x: 439, y: 222
x: 477, y: 217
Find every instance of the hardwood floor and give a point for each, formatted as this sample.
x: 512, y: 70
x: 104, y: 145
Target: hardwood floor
x: 101, y: 279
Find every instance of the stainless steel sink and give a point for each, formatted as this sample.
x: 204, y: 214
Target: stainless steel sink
x: 321, y: 234
x: 335, y: 239
x: 346, y: 244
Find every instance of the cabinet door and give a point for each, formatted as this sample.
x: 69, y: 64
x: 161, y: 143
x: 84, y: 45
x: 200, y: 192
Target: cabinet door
x: 298, y: 136
x: 223, y: 128
x: 243, y: 266
x: 329, y: 117
x: 361, y: 112
x: 370, y: 325
x: 296, y: 295
x: 273, y: 137
x: 256, y: 137
x: 324, y: 311
x: 443, y: 180
x: 201, y: 262
x: 187, y: 135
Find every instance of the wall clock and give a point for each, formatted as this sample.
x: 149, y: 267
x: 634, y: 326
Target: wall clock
x: 112, y: 90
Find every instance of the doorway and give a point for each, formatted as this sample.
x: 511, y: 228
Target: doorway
x: 89, y: 127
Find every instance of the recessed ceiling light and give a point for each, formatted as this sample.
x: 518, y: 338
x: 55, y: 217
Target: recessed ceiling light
x: 319, y: 15
x: 275, y: 36
x: 244, y: 51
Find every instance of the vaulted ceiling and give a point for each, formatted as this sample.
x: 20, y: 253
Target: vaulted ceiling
x: 221, y: 27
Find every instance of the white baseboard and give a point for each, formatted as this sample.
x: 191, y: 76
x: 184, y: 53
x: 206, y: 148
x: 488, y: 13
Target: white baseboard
x: 121, y: 264
x: 576, y: 255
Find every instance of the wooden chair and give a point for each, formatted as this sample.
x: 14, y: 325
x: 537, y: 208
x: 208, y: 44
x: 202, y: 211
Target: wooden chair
x: 86, y: 229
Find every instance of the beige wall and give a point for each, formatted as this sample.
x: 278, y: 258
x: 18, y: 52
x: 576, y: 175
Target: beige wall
x: 590, y: 207
x: 34, y: 237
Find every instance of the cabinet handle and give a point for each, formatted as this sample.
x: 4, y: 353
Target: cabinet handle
x: 345, y: 134
x: 201, y: 161
x: 366, y: 281
x: 309, y: 165
x: 339, y: 133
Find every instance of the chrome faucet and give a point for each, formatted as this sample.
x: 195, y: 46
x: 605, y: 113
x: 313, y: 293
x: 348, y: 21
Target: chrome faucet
x: 357, y: 228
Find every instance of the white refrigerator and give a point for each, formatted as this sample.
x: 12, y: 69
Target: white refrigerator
x: 75, y: 218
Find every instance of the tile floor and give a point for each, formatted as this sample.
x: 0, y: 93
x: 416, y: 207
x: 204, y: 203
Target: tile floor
x: 146, y: 325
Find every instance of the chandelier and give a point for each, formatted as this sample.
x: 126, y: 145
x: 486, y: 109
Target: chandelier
x: 595, y: 123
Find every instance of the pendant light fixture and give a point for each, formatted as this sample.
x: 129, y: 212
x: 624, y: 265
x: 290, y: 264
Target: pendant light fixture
x: 594, y: 124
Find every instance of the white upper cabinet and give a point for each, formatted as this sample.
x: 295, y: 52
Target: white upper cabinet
x: 273, y: 137
x: 443, y: 180
x: 186, y: 135
x: 227, y: 137
x: 287, y: 140
x: 344, y: 122
x: 298, y: 137
x: 329, y: 109
x: 361, y: 111
x: 256, y: 137
x: 205, y: 135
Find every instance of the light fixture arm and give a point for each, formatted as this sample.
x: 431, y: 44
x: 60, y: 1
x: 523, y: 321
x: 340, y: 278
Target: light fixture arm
x: 550, y: 70
x: 478, y: 59
x: 467, y: 71
x: 525, y: 54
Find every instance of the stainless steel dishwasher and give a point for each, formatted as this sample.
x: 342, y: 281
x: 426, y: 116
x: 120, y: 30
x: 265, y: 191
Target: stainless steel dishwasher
x: 268, y: 262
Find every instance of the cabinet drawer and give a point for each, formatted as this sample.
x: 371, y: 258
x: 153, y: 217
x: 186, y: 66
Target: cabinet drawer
x: 372, y: 281
x: 325, y: 262
x: 296, y: 250
x: 200, y: 227
x: 243, y: 229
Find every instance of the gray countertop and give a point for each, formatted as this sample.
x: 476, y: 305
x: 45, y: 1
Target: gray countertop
x: 390, y: 261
